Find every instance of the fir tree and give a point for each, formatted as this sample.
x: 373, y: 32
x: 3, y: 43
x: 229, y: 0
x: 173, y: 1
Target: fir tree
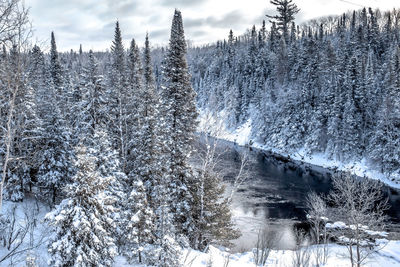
x: 82, y: 221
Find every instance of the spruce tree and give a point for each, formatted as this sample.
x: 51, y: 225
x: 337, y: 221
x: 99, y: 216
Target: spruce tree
x: 140, y: 224
x: 145, y: 174
x: 108, y: 165
x: 118, y: 97
x: 55, y: 66
x: 55, y: 169
x: 180, y: 114
x: 146, y: 150
x: 82, y: 221
x: 135, y: 106
x: 211, y: 212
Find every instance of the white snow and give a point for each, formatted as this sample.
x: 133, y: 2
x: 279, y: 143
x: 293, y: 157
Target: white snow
x: 388, y: 256
x: 215, y: 126
x: 336, y: 225
x: 241, y: 135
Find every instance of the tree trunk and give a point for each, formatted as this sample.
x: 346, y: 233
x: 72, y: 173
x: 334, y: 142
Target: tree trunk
x: 54, y: 195
x: 7, y: 142
x: 351, y: 255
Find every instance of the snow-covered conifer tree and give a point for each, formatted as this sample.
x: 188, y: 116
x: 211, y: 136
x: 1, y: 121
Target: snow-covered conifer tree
x: 140, y: 224
x: 82, y: 222
x: 118, y: 97
x: 135, y: 106
x: 180, y: 113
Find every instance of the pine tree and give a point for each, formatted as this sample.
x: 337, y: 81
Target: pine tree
x: 287, y: 10
x: 82, y: 221
x: 180, y: 114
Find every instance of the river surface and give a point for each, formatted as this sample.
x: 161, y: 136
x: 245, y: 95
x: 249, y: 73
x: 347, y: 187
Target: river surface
x: 274, y: 194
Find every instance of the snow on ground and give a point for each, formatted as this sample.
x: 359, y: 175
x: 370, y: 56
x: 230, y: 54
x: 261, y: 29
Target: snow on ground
x: 389, y: 256
x: 242, y: 136
x: 34, y: 245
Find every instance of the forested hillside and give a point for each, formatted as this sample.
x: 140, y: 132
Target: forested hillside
x: 328, y: 86
x: 90, y: 135
x: 103, y: 158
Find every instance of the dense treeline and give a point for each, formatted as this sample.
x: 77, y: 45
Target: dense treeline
x: 329, y: 86
x: 92, y: 135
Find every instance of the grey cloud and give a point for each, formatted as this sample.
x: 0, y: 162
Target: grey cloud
x: 119, y: 9
x: 105, y: 33
x: 153, y: 19
x: 159, y: 33
x: 229, y: 20
x: 189, y: 23
x: 182, y: 3
x: 198, y: 33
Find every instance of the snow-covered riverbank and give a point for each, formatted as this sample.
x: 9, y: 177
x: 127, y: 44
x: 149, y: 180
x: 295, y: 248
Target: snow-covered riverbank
x: 242, y: 137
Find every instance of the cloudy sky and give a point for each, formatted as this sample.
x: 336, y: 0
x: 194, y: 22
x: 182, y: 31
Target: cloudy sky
x: 91, y: 22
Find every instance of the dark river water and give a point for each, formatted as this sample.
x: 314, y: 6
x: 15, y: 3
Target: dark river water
x: 274, y: 194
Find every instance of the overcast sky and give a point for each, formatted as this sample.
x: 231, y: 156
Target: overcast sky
x: 91, y: 22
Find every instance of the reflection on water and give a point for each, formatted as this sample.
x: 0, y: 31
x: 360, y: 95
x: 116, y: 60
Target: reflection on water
x: 274, y: 195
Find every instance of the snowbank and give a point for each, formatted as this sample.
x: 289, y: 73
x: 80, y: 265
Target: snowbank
x: 388, y: 256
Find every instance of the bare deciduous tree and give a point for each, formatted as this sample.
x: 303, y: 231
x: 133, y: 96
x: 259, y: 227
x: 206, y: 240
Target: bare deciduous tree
x: 302, y: 253
x: 212, y: 213
x: 18, y: 235
x: 266, y: 241
x: 14, y: 31
x: 359, y: 205
x: 316, y: 216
